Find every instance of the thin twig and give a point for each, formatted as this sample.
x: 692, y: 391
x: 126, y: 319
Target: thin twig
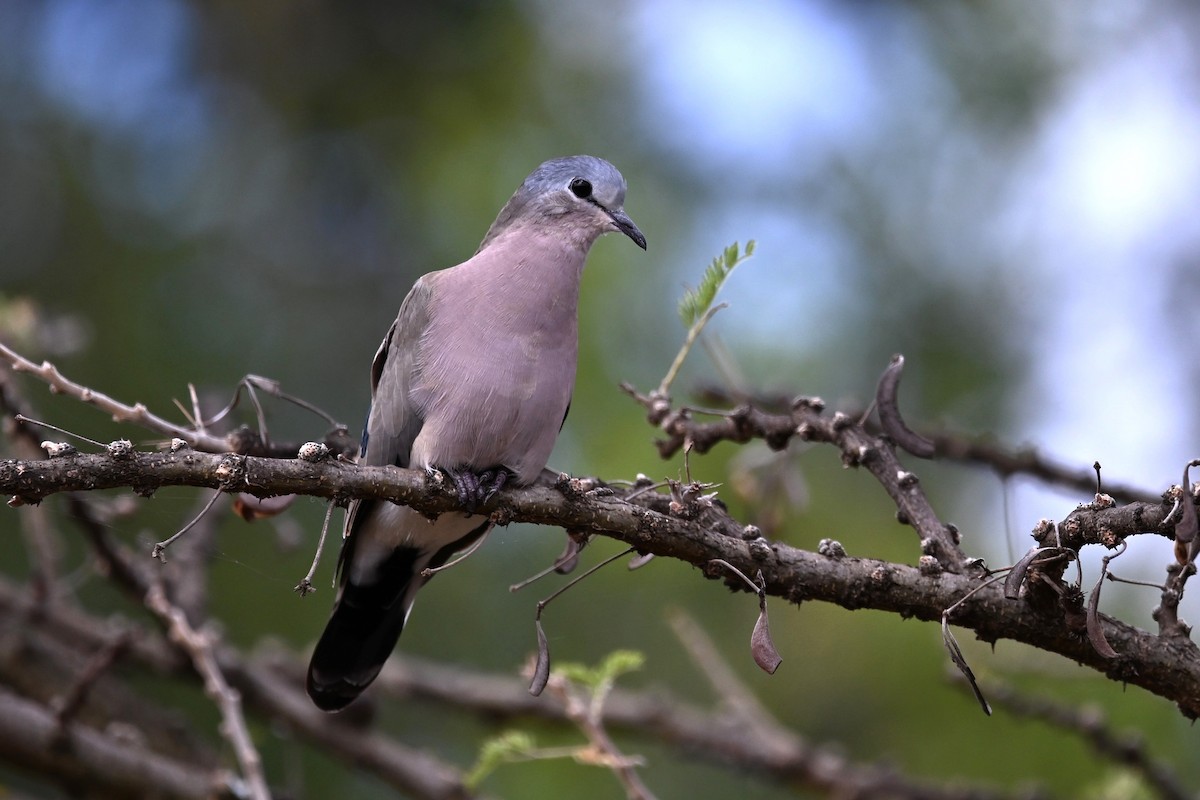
x: 55, y: 428
x: 271, y: 387
x: 541, y: 666
x: 545, y: 601
x: 137, y: 413
x: 160, y: 548
x: 664, y: 388
x: 69, y: 704
x: 566, y: 561
x: 305, y: 587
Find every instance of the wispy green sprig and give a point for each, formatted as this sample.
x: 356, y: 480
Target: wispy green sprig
x: 695, y: 303
x: 605, y: 673
x: 696, y: 306
x: 506, y: 748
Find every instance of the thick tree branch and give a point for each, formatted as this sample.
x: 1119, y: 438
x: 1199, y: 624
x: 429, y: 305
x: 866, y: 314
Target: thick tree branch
x: 1167, y: 667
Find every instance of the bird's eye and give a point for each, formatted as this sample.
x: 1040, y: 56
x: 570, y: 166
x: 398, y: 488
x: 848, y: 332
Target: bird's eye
x: 580, y: 188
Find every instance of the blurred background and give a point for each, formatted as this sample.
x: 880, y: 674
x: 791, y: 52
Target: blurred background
x: 1006, y: 192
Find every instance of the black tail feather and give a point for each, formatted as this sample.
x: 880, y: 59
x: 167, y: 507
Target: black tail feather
x: 361, y: 634
x: 368, y: 619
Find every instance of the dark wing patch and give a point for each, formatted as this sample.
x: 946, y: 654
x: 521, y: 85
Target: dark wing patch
x: 394, y: 422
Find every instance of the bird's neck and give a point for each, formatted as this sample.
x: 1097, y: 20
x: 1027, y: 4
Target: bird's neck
x: 530, y: 268
x: 565, y: 234
x: 540, y: 256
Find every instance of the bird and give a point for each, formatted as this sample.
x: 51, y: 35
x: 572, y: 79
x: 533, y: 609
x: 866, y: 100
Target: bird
x: 473, y: 380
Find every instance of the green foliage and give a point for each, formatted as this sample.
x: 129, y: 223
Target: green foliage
x: 516, y: 746
x: 604, y: 674
x: 503, y: 749
x: 1118, y: 784
x: 696, y: 306
x: 695, y: 303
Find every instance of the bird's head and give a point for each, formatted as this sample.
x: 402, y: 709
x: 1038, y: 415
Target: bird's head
x: 579, y: 193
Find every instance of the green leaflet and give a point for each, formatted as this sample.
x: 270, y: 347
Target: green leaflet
x: 695, y: 302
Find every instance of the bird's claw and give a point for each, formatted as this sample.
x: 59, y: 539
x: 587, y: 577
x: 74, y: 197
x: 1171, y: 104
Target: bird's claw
x: 477, y: 488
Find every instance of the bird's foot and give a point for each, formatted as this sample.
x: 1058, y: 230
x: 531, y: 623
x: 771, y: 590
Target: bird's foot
x: 477, y: 488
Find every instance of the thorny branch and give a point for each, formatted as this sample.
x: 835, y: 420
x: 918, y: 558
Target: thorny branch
x: 808, y: 422
x: 1168, y: 668
x: 243, y: 440
x: 1095, y: 523
x: 771, y: 424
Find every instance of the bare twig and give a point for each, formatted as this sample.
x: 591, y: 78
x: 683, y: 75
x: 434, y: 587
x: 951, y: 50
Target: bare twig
x: 272, y: 387
x: 460, y: 557
x: 948, y: 445
x: 541, y: 669
x: 28, y: 421
x: 1028, y: 461
x: 187, y: 574
x: 160, y: 548
x: 68, y: 704
x: 199, y: 647
x: 305, y: 587
x: 1089, y: 724
x: 563, y: 564
x: 137, y: 414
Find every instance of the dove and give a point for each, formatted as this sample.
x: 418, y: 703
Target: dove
x: 474, y: 379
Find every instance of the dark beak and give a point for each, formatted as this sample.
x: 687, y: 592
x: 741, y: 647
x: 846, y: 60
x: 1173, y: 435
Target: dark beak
x: 625, y: 225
